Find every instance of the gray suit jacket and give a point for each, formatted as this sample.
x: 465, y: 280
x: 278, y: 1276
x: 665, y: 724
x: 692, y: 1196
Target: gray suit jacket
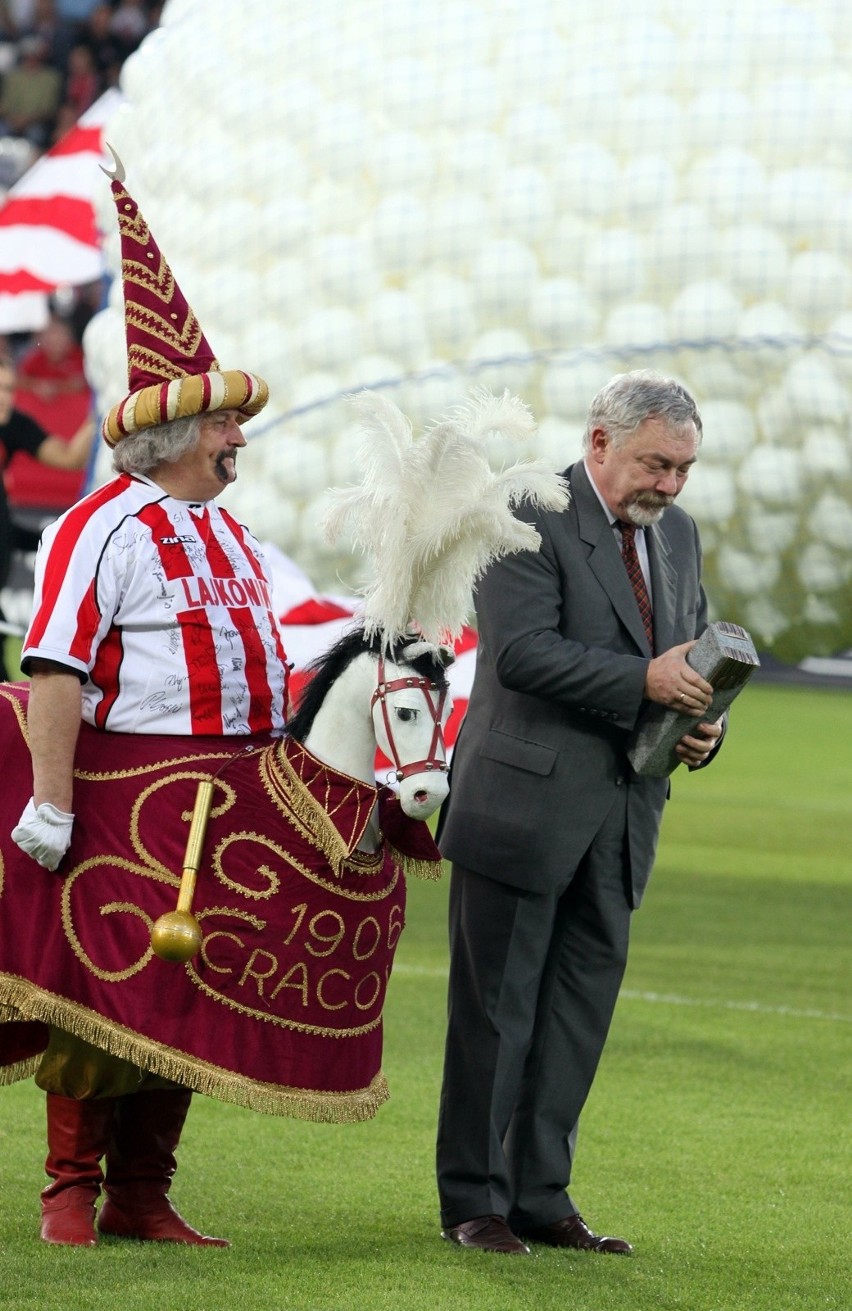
x: 560, y: 672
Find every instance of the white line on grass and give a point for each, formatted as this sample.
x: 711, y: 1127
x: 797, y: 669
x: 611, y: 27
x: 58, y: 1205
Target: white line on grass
x: 672, y: 999
x: 669, y: 998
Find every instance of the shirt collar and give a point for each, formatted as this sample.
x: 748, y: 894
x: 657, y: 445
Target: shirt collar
x: 192, y: 505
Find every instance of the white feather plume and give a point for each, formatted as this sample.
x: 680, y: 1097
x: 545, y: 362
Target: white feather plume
x: 432, y: 514
x: 485, y: 412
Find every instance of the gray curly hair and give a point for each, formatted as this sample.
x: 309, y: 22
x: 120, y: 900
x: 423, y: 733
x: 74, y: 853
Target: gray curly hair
x: 629, y: 399
x: 164, y: 443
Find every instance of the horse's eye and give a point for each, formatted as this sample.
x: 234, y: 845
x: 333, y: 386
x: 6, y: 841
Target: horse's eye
x: 405, y: 714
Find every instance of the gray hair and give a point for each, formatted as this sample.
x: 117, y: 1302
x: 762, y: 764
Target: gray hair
x: 629, y: 399
x: 164, y: 443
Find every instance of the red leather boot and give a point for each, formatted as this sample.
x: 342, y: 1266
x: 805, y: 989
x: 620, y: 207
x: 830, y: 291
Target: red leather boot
x: 140, y: 1163
x: 77, y: 1135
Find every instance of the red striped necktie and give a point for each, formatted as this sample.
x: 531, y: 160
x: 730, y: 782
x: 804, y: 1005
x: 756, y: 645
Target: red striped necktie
x: 637, y: 581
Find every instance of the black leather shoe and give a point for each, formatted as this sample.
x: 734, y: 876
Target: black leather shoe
x: 574, y: 1232
x: 488, y: 1233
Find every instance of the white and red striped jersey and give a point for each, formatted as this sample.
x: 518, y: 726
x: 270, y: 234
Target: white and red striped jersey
x: 166, y: 611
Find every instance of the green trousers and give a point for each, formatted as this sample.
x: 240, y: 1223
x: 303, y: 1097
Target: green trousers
x: 71, y: 1067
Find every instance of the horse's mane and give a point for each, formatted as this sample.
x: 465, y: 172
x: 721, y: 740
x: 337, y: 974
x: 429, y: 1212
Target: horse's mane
x: 327, y: 668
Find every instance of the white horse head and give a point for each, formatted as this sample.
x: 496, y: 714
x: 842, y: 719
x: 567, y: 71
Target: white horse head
x: 360, y: 697
x: 410, y: 706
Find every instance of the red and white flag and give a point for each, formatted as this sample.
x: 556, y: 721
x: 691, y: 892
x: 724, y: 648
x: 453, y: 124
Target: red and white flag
x: 49, y: 236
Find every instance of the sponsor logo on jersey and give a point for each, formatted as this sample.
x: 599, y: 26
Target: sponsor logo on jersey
x: 175, y: 541
x: 201, y: 592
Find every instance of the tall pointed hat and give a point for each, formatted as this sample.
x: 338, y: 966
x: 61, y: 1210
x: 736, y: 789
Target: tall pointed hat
x: 172, y: 372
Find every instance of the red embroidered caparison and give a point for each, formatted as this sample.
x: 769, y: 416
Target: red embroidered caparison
x: 281, y: 1010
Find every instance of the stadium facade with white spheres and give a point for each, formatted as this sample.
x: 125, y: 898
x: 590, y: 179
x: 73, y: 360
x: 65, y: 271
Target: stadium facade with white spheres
x: 528, y: 195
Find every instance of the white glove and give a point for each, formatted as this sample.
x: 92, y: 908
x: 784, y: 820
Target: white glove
x: 44, y: 833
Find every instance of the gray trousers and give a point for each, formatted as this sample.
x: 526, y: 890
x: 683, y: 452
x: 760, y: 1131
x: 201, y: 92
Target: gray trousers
x: 533, y: 983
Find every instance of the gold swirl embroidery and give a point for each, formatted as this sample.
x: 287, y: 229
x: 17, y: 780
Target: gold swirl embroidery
x: 272, y: 879
x: 218, y: 809
x: 280, y: 783
x: 138, y: 771
x: 109, y: 907
x: 333, y: 885
x: 362, y: 864
x: 12, y: 695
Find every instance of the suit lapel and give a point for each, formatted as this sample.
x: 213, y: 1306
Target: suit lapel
x: 605, y: 559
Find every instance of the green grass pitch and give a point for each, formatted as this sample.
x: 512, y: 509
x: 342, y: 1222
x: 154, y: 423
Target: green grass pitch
x: 716, y: 1137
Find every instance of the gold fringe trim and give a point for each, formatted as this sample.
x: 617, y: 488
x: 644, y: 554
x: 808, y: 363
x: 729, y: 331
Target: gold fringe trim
x: 15, y: 1073
x: 21, y: 1069
x: 413, y: 867
x: 34, y: 1003
x: 314, y: 820
x: 314, y: 815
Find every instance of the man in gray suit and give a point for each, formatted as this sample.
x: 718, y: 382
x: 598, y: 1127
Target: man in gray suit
x: 550, y: 832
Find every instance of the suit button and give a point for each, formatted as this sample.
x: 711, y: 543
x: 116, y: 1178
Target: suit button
x: 619, y: 782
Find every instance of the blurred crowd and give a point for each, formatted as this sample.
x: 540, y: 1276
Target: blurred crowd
x: 56, y: 58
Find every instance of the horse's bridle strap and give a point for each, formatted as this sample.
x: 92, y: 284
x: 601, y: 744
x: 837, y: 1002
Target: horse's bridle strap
x: 436, y: 709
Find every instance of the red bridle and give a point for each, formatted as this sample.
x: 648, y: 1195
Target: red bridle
x: 436, y: 710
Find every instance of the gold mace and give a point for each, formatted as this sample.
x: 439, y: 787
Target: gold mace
x: 177, y: 934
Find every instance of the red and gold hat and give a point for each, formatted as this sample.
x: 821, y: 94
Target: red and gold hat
x: 172, y: 372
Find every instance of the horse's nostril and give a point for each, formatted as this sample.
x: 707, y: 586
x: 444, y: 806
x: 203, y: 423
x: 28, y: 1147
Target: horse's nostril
x: 421, y: 796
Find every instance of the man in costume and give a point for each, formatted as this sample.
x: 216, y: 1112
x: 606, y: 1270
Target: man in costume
x: 550, y: 832
x: 152, y: 616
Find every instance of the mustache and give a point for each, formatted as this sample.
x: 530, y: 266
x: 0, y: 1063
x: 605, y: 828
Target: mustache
x: 655, y: 500
x: 229, y: 453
